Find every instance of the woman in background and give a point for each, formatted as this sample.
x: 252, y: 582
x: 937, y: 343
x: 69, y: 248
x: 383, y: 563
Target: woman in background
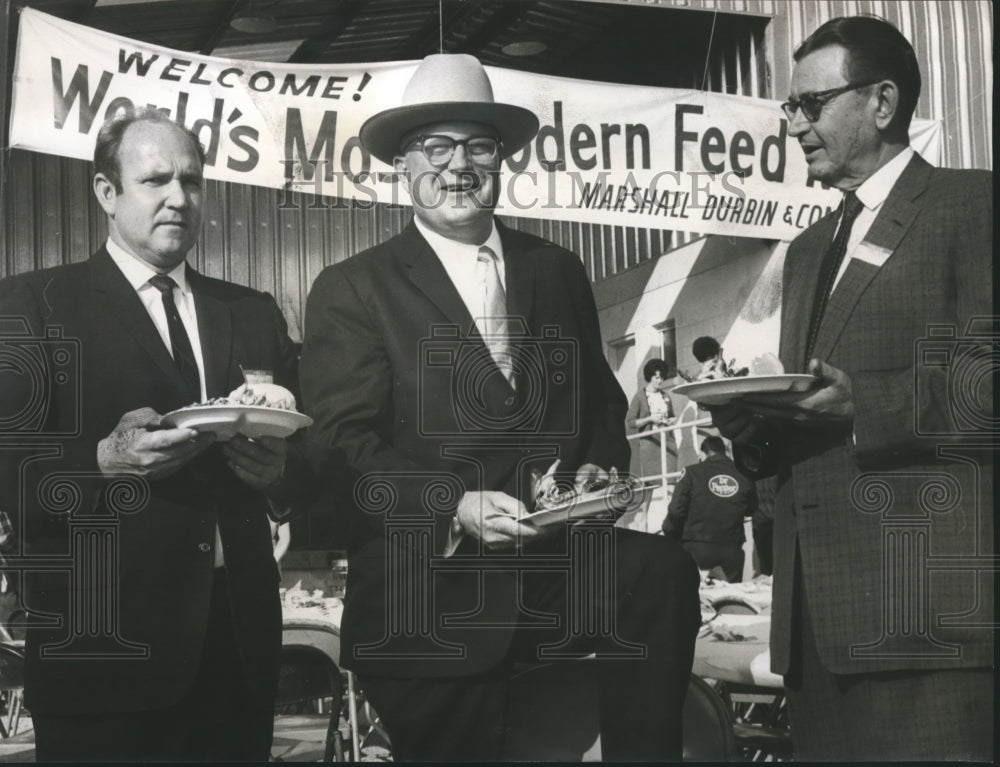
x: 650, y: 409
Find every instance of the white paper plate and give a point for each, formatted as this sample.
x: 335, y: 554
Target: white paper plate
x: 721, y: 390
x: 590, y: 505
x: 229, y: 420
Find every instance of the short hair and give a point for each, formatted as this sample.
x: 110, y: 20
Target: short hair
x: 713, y: 445
x: 704, y: 348
x: 876, y: 50
x: 655, y: 366
x: 109, y: 140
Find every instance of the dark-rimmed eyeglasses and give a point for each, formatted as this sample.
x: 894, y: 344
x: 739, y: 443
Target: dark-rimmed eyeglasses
x: 481, y: 150
x: 812, y: 104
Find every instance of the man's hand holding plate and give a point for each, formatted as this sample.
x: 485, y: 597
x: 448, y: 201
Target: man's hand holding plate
x: 496, y: 519
x: 259, y: 462
x: 138, y: 446
x: 830, y: 400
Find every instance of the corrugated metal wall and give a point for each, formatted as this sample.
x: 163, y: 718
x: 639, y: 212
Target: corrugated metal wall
x: 50, y: 217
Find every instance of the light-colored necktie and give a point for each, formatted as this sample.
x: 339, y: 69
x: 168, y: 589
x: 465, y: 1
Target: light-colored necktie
x: 494, y: 312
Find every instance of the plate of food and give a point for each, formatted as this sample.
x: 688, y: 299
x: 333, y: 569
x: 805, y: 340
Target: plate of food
x: 253, y: 410
x: 721, y: 390
x: 605, y: 498
x: 719, y: 382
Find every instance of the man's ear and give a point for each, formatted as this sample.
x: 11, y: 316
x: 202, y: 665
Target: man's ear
x: 105, y: 193
x: 399, y: 163
x: 887, y: 102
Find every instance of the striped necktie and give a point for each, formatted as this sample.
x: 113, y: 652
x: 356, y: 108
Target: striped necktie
x: 494, y: 326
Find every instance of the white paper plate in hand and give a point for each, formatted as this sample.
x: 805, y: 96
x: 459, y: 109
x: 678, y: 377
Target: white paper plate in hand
x: 226, y: 421
x: 599, y: 503
x: 720, y: 391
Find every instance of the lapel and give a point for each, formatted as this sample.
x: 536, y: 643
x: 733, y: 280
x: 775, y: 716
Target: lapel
x: 519, y: 276
x: 895, y: 218
x: 124, y: 305
x: 215, y: 329
x: 796, y: 306
x: 425, y: 271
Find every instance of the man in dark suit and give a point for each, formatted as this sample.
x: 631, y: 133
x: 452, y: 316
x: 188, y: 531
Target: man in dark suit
x: 444, y: 368
x: 707, y: 510
x: 156, y: 625
x: 883, y: 567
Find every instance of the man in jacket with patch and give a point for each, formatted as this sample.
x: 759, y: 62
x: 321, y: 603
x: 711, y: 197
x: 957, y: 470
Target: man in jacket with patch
x: 707, y: 510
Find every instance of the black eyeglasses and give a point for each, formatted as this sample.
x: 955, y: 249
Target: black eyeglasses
x: 481, y: 150
x: 812, y: 104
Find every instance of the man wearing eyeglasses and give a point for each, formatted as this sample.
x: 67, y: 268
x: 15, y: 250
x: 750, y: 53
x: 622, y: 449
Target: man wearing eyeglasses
x: 883, y: 542
x: 447, y: 370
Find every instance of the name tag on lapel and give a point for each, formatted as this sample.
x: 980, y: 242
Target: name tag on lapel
x: 872, y: 254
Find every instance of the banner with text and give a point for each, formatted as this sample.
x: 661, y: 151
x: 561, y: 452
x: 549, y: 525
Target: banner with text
x: 605, y: 154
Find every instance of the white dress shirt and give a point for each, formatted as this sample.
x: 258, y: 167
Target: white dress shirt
x: 872, y: 194
x: 459, y: 261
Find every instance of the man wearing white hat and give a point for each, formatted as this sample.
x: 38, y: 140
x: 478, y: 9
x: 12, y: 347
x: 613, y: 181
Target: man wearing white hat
x: 445, y: 369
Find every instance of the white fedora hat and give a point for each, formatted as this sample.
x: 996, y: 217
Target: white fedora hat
x: 463, y: 80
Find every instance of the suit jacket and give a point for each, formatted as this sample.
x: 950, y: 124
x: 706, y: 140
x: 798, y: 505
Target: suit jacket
x: 411, y: 410
x: 894, y: 522
x: 124, y: 631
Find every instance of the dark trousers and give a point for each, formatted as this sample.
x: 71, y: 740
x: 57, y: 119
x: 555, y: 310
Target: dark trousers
x: 654, y: 607
x: 763, y: 545
x: 217, y: 720
x: 904, y: 716
x: 728, y: 556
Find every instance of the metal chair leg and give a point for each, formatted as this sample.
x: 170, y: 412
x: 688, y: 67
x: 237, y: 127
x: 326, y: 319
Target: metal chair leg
x: 352, y: 713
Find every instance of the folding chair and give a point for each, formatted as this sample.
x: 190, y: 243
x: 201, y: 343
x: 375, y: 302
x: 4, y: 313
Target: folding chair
x: 11, y: 687
x: 309, y: 676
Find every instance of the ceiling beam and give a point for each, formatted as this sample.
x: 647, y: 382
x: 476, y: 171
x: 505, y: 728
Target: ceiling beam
x: 314, y: 46
x: 503, y: 17
x: 220, y: 26
x: 83, y: 13
x: 427, y: 39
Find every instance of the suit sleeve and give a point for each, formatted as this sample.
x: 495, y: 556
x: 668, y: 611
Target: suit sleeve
x: 34, y: 406
x: 347, y: 384
x: 604, y: 406
x: 298, y: 483
x: 895, y: 410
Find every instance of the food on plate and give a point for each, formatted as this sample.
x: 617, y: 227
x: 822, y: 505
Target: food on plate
x: 766, y: 365
x: 717, y: 368
x: 263, y: 395
x: 550, y: 494
x: 256, y: 395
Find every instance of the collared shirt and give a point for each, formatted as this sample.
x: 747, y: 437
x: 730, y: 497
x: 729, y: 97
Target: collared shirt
x: 459, y: 261
x: 872, y: 194
x: 138, y: 272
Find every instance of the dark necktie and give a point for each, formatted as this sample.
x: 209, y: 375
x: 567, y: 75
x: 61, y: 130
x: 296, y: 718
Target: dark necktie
x: 179, y: 341
x: 834, y: 257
